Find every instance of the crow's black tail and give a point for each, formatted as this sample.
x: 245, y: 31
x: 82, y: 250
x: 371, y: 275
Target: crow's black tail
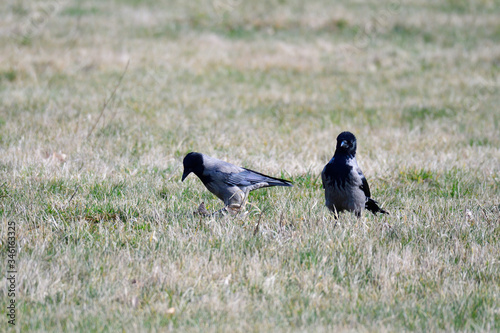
x: 279, y: 182
x: 373, y: 207
x: 272, y: 181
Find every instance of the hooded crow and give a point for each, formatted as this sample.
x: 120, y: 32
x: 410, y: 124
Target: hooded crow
x: 228, y: 182
x: 345, y: 185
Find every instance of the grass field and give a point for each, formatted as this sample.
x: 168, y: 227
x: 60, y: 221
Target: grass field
x: 101, y: 100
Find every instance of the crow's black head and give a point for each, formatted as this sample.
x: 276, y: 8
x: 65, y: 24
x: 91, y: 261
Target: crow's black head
x: 346, y: 144
x: 193, y: 162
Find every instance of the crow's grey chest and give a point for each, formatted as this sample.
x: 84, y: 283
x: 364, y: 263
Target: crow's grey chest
x: 342, y: 182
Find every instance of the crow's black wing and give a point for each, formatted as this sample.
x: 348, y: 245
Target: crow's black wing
x: 364, y: 185
x: 370, y: 204
x: 249, y: 178
x: 325, y: 174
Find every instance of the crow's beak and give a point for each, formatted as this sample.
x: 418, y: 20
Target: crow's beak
x: 344, y: 144
x: 185, y: 174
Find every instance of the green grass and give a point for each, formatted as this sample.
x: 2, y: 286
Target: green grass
x: 105, y: 229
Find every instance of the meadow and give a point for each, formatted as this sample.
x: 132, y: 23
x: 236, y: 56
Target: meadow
x: 101, y: 100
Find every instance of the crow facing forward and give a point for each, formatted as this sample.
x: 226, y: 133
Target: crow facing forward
x: 345, y: 185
